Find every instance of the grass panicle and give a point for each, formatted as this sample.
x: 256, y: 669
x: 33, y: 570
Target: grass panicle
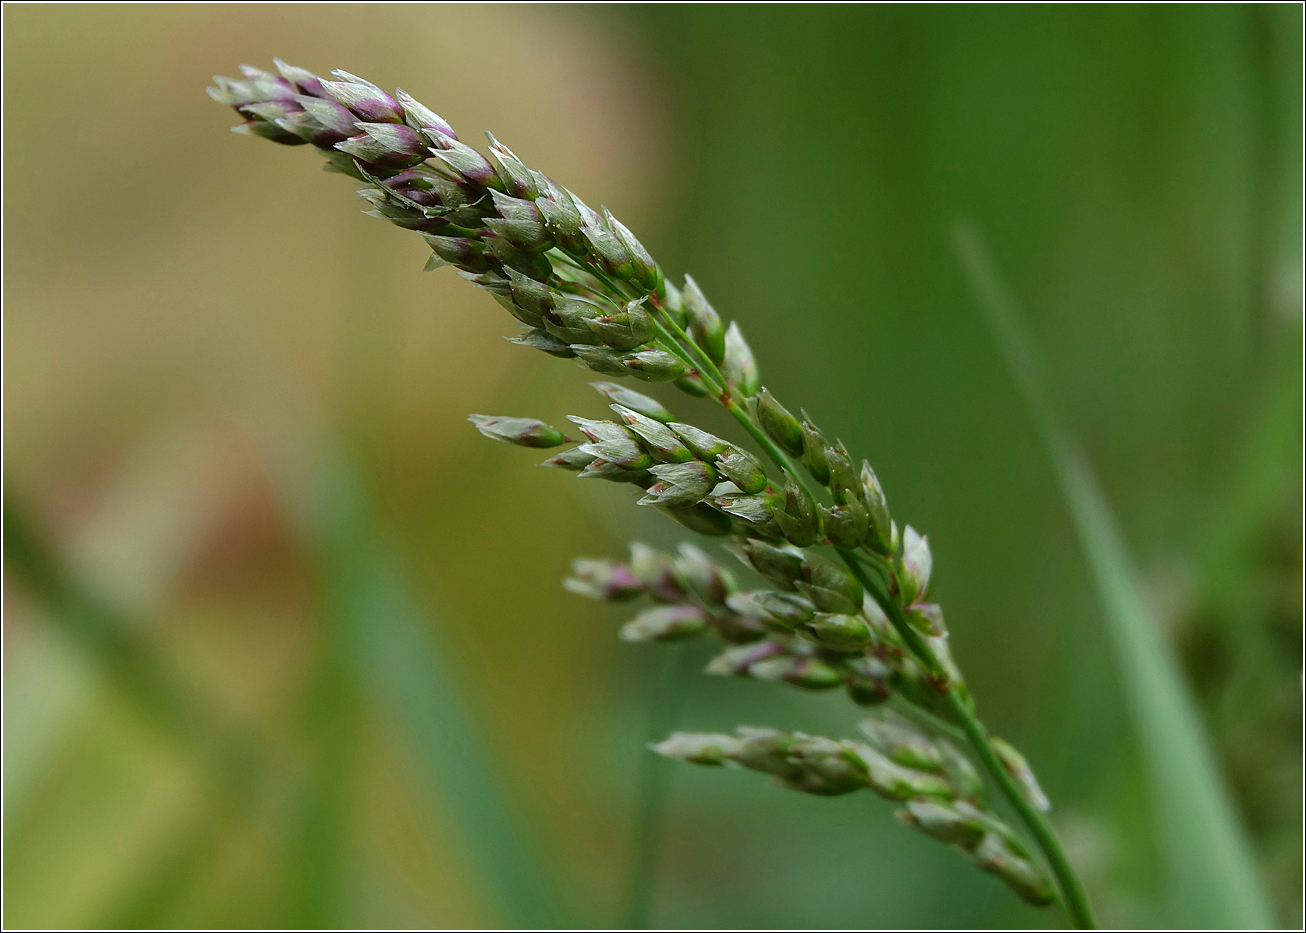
x: 855, y: 616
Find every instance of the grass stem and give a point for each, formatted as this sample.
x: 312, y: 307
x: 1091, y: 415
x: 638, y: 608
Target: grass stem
x: 1072, y: 891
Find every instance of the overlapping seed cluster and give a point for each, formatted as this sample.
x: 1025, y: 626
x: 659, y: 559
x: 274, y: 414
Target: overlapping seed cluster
x: 583, y: 287
x: 820, y: 630
x: 691, y: 475
x: 810, y: 634
x: 577, y: 278
x: 943, y: 795
x: 690, y: 594
x: 858, y: 516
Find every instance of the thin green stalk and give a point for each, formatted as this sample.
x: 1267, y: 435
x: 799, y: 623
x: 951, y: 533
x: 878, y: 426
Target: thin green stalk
x: 690, y: 353
x: 728, y: 396
x: 915, y: 643
x: 654, y: 776
x: 614, y: 289
x: 651, y: 796
x: 1072, y: 892
x: 702, y: 361
x: 926, y: 718
x: 673, y: 346
x: 677, y: 341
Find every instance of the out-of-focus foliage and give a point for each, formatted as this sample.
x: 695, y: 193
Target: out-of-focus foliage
x: 233, y: 408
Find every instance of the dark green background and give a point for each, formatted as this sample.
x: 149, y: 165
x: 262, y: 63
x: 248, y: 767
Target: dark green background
x: 234, y: 407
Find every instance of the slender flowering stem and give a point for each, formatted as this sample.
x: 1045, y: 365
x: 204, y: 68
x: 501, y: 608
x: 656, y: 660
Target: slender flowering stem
x: 1073, y: 897
x: 662, y: 327
x: 614, y: 289
x: 937, y: 723
x: 906, y: 631
x: 701, y: 359
x: 1072, y: 891
x: 730, y: 399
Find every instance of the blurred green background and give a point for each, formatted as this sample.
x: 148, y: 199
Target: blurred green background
x: 284, y: 640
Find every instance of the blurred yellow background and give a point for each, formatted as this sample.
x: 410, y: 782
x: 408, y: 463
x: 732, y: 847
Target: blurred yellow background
x: 307, y: 661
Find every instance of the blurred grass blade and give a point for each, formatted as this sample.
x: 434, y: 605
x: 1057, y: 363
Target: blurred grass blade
x: 235, y: 760
x: 316, y: 889
x: 233, y: 764
x: 155, y: 896
x: 1212, y: 882
x: 651, y: 793
x: 46, y: 689
x: 127, y: 661
x: 1269, y: 466
x: 400, y: 659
